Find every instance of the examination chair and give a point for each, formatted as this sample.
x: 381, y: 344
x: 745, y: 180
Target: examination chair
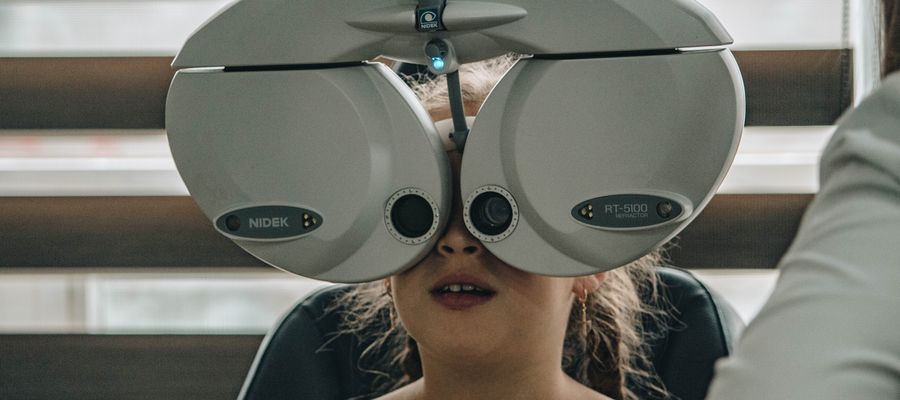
x: 294, y: 361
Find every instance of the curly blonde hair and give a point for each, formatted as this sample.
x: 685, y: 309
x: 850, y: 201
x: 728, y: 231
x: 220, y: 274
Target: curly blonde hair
x: 612, y: 358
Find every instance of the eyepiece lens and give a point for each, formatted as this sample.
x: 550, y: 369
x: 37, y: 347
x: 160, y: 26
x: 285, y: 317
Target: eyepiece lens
x: 412, y: 216
x: 491, y: 213
x: 497, y: 211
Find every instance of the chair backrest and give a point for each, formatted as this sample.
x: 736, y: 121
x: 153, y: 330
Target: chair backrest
x: 302, y: 359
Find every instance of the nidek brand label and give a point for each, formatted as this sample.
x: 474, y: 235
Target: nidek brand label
x: 277, y: 222
x: 429, y: 19
x: 268, y: 222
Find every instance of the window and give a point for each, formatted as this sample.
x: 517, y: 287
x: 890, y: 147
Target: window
x: 82, y: 130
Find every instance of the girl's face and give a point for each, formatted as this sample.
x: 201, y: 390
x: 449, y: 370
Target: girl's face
x: 463, y: 303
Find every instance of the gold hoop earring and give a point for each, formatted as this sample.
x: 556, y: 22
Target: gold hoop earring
x: 392, y: 316
x: 392, y: 312
x: 585, y: 323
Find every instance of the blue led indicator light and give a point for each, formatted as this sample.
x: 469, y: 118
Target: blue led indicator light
x: 437, y: 63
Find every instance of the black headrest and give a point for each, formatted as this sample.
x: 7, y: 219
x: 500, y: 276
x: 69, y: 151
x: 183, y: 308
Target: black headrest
x: 302, y: 359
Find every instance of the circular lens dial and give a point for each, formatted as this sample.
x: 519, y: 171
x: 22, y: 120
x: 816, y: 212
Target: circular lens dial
x: 491, y: 213
x: 411, y: 216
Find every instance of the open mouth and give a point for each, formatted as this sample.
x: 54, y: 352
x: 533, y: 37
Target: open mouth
x: 463, y: 289
x: 460, y: 296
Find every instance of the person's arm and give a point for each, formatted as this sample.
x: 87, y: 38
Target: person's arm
x: 831, y: 329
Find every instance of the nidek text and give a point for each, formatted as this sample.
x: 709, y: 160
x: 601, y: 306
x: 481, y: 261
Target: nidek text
x: 277, y: 222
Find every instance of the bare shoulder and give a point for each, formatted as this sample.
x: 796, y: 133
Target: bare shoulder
x: 408, y: 392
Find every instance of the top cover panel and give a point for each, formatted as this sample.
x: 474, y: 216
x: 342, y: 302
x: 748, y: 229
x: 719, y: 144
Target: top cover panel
x: 289, y: 32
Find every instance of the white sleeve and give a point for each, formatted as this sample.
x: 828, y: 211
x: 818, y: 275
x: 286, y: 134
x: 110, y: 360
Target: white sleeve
x: 831, y: 329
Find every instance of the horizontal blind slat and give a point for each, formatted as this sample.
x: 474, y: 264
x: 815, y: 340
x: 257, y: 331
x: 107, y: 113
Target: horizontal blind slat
x: 196, y: 367
x: 802, y: 87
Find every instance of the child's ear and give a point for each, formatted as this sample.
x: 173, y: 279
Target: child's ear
x: 589, y: 283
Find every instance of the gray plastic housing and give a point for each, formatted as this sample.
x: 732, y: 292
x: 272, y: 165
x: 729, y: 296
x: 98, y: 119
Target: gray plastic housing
x: 336, y: 141
x: 556, y: 133
x: 297, y: 120
x: 287, y: 32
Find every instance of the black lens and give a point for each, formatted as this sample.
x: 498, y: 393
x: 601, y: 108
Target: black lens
x: 412, y: 216
x: 233, y: 223
x: 491, y: 213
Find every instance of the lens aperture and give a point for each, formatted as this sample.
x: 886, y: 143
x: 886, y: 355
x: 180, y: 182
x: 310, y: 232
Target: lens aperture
x: 412, y: 216
x: 491, y: 213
